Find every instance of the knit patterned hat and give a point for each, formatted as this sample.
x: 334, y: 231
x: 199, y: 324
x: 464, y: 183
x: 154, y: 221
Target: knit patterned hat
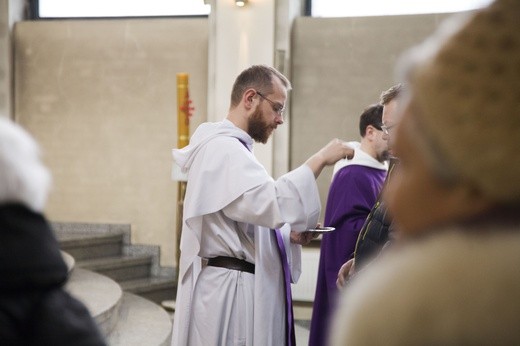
x: 465, y: 81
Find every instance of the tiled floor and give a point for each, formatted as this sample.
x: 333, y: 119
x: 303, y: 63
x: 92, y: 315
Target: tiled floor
x: 301, y: 329
x: 302, y: 316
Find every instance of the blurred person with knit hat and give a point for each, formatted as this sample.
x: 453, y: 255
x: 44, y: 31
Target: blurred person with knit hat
x: 452, y: 276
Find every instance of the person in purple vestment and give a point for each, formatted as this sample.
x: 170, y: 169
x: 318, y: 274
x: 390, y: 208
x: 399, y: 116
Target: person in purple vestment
x: 354, y: 189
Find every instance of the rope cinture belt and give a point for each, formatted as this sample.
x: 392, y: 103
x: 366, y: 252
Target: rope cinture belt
x: 232, y: 263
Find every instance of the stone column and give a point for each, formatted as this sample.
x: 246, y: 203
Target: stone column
x: 258, y: 33
x: 11, y: 11
x: 285, y: 13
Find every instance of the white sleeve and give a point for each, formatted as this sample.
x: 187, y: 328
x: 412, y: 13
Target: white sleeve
x: 292, y: 199
x: 294, y: 254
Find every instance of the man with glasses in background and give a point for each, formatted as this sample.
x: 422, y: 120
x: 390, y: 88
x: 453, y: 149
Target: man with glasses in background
x: 242, y: 230
x: 375, y: 232
x: 354, y: 189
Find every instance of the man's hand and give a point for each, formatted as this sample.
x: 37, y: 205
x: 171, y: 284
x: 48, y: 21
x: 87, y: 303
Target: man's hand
x: 302, y: 238
x: 345, y: 272
x: 334, y: 151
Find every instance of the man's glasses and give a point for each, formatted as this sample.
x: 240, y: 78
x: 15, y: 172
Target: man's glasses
x: 385, y: 128
x: 277, y: 107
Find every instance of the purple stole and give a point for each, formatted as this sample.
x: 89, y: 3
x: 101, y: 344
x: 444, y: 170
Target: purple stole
x: 290, y: 338
x: 289, y: 335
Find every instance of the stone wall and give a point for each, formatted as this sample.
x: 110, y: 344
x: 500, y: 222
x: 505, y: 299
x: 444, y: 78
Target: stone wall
x: 100, y: 97
x: 340, y: 66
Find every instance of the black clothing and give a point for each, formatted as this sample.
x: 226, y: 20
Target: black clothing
x: 34, y: 307
x: 375, y: 231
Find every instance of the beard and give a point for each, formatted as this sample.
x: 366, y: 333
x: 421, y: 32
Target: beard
x: 383, y: 156
x: 258, y: 128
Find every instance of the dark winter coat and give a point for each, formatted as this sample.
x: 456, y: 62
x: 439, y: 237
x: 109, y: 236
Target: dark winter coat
x: 34, y: 307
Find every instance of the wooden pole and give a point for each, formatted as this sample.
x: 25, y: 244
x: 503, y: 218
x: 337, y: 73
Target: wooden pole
x: 183, y: 137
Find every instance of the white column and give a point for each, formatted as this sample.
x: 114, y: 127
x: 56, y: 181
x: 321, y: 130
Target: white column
x: 11, y: 11
x: 286, y: 12
x: 258, y: 33
x: 239, y: 37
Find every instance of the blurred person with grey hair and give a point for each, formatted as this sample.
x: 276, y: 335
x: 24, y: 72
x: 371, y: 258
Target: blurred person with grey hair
x: 34, y: 307
x: 452, y: 277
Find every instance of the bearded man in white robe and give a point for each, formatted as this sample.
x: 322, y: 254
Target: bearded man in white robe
x: 231, y: 287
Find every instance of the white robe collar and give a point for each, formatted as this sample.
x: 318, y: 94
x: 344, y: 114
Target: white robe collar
x: 204, y: 133
x: 360, y: 158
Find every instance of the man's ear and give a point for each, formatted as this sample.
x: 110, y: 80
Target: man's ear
x: 248, y: 98
x: 370, y: 132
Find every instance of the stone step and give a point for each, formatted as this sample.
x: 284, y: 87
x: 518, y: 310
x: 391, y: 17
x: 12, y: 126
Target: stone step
x: 84, y: 245
x: 141, y: 322
x: 106, y: 249
x: 69, y: 260
x: 101, y: 295
x: 120, y: 268
x: 155, y: 288
x: 124, y: 318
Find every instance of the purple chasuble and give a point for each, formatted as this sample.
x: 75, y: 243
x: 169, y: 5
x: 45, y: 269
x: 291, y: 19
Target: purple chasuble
x: 353, y: 192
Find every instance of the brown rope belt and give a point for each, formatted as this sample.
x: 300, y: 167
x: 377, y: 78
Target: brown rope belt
x: 232, y: 263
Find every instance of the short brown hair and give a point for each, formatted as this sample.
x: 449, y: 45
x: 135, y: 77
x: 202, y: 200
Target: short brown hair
x: 390, y: 94
x: 259, y: 77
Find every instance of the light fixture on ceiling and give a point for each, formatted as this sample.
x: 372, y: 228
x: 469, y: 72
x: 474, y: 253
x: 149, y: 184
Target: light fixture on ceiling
x: 240, y: 3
